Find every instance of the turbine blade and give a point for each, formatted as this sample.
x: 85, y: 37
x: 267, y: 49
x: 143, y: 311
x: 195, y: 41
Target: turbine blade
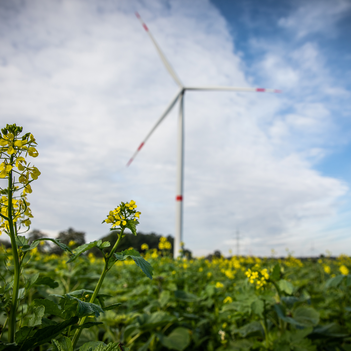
x: 261, y: 90
x: 163, y: 57
x: 165, y: 113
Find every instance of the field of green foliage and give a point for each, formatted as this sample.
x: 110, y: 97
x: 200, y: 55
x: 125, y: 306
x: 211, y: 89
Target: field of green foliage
x: 242, y: 303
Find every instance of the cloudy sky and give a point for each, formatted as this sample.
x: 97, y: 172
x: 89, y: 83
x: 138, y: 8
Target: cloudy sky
x: 85, y: 79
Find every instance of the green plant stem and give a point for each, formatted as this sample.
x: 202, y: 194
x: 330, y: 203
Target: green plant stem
x: 97, y: 288
x: 16, y: 265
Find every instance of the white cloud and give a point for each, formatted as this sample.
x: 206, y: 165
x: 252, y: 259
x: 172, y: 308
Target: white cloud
x: 317, y: 16
x: 87, y: 82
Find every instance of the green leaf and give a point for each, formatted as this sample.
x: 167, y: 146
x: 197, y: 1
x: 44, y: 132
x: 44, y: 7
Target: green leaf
x: 306, y: 316
x: 253, y: 327
x: 156, y: 319
x: 51, y: 307
x: 86, y: 308
x: 83, y: 292
x: 55, y: 241
x: 111, y: 307
x: 104, y: 245
x: 185, y: 296
x: 35, y: 318
x: 82, y: 248
x: 179, y: 339
x: 131, y: 224
x: 276, y: 272
x: 33, y: 278
x: 144, y: 265
x: 21, y: 241
x: 334, y: 282
x: 332, y: 330
x: 47, y: 281
x: 92, y: 345
x: 165, y: 296
x: 86, y: 325
x: 286, y: 286
x: 290, y: 301
x: 257, y: 307
x: 44, y: 335
x: 23, y: 333
x: 280, y: 310
x: 32, y: 246
x: 65, y: 344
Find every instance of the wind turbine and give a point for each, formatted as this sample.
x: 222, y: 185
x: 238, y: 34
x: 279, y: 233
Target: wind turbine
x: 180, y: 157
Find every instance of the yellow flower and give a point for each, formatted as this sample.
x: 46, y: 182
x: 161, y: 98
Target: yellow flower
x: 344, y: 270
x: 167, y: 245
x: 265, y: 274
x: 219, y: 285
x: 209, y: 274
x: 161, y: 246
x: 32, y: 151
x: 201, y: 269
x: 71, y: 243
x: 327, y: 269
x: 163, y: 239
x: 145, y: 247
x: 228, y: 299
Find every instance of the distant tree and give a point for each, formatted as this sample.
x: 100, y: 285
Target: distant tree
x: 130, y: 240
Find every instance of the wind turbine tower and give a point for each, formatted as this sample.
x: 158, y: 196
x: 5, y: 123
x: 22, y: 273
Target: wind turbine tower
x: 180, y: 154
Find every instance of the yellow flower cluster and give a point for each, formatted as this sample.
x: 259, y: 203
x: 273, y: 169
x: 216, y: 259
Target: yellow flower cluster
x: 228, y: 299
x: 258, y: 277
x: 344, y: 270
x: 13, y: 152
x: 145, y: 247
x: 122, y: 214
x: 164, y: 244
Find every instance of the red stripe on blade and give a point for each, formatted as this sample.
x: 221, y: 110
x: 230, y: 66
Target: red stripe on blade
x: 129, y: 162
x: 145, y: 27
x: 260, y: 89
x: 179, y: 198
x: 137, y: 14
x: 141, y: 145
x: 277, y: 91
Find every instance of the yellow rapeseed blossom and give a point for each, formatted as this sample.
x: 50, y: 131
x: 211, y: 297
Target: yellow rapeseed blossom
x: 219, y: 285
x: 344, y: 270
x: 327, y: 269
x: 229, y: 274
x: 209, y: 275
x: 167, y: 245
x: 259, y: 278
x: 228, y: 299
x: 122, y: 214
x: 145, y: 247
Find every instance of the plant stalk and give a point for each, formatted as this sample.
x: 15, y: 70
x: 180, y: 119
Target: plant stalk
x: 97, y: 288
x: 16, y: 265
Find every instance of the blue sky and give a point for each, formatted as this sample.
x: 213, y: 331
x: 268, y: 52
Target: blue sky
x: 85, y: 79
